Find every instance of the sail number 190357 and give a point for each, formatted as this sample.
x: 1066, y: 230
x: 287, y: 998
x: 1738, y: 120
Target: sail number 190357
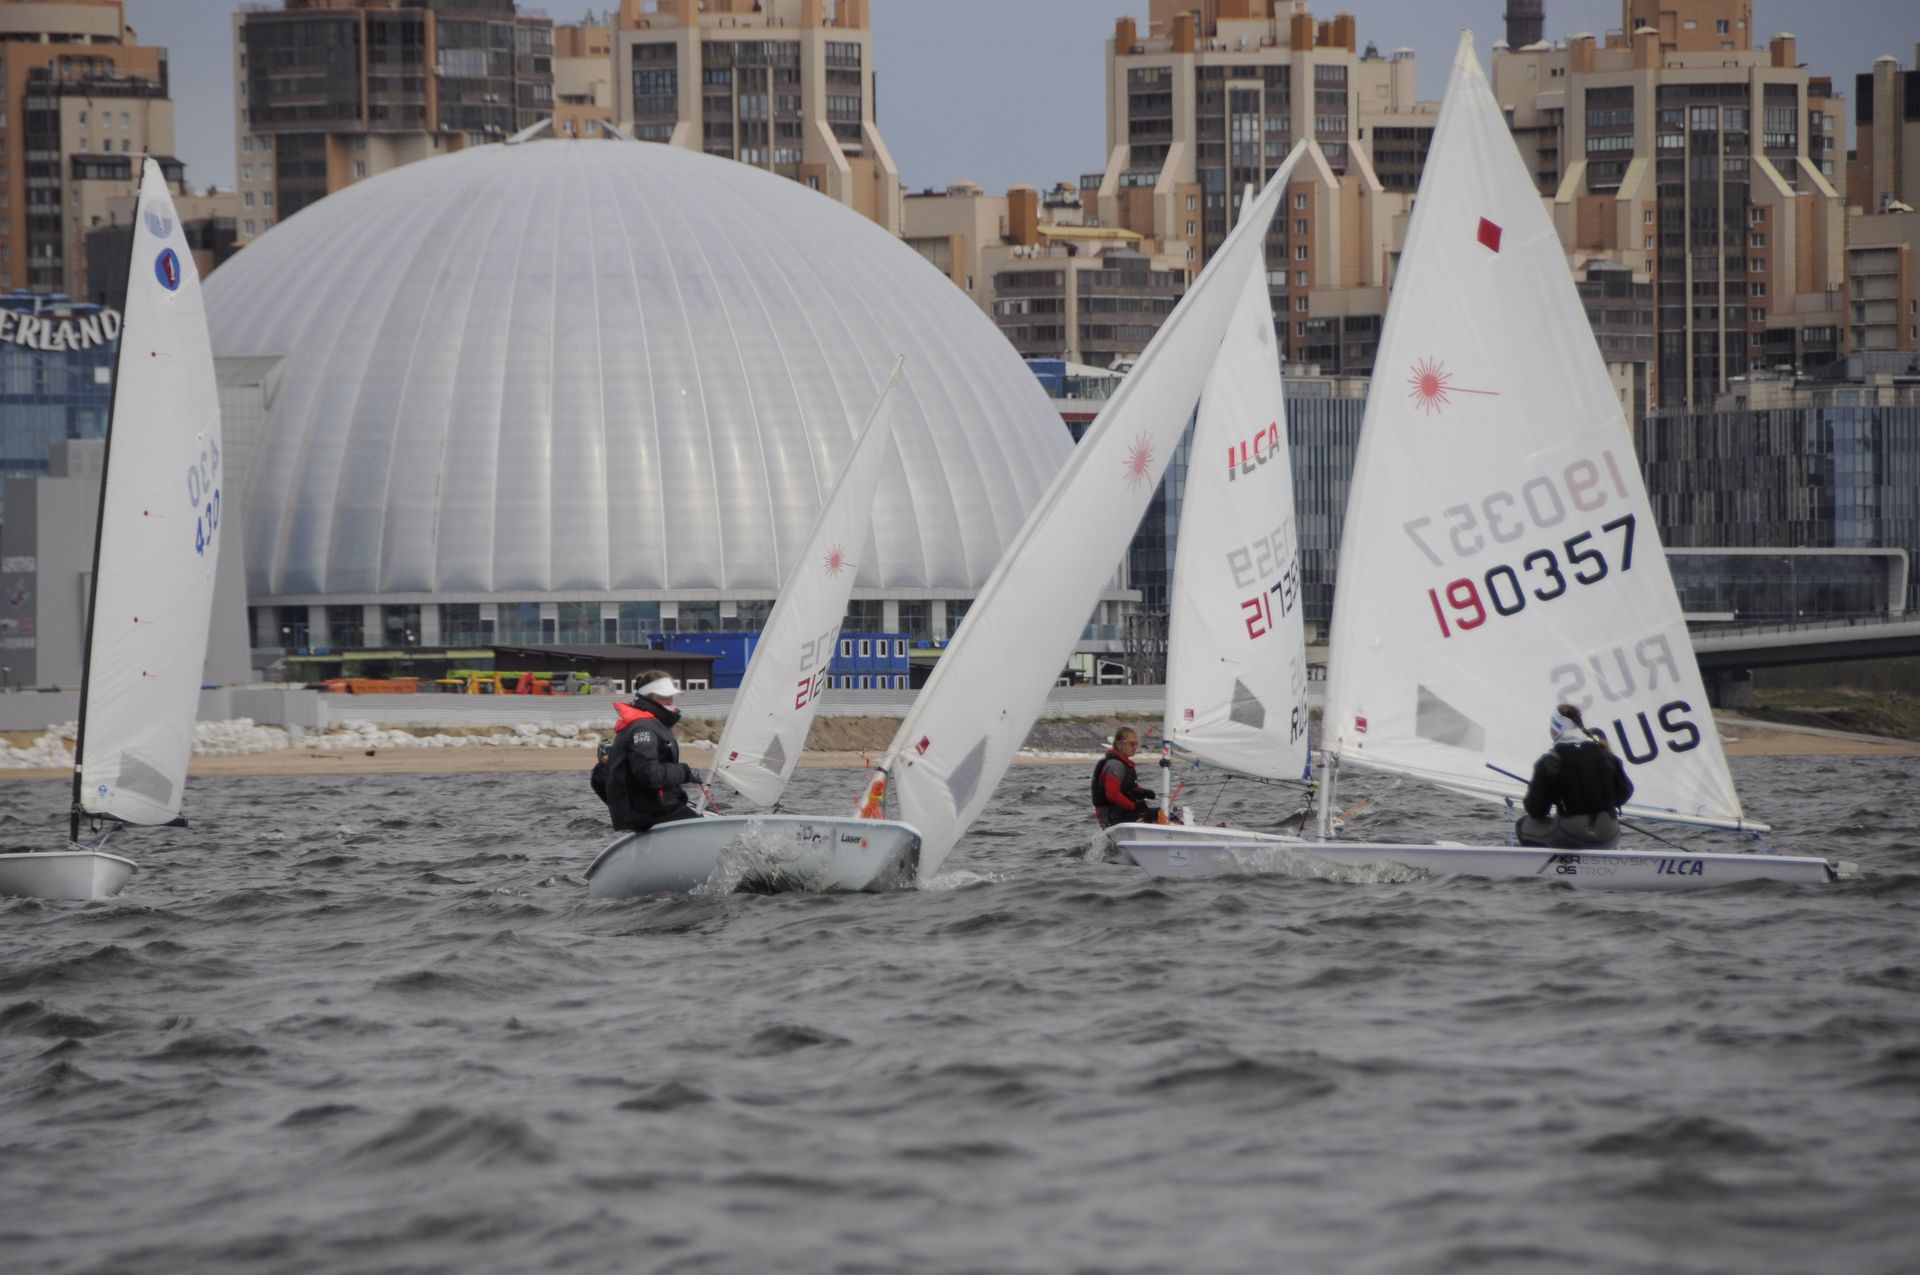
x: 203, y: 497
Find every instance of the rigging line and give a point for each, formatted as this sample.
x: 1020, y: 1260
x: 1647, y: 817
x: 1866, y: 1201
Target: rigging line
x: 1657, y: 837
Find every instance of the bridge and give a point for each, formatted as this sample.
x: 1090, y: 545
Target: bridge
x: 1727, y: 656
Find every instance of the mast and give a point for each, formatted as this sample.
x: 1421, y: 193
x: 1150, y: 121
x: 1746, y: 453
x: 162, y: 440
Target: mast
x: 100, y: 514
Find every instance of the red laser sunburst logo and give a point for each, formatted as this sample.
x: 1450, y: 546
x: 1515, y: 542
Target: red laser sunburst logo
x: 1433, y: 387
x: 1139, y: 461
x: 836, y: 560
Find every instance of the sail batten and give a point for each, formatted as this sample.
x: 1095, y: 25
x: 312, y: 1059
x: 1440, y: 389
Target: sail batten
x: 159, y: 533
x: 993, y: 678
x: 1500, y: 554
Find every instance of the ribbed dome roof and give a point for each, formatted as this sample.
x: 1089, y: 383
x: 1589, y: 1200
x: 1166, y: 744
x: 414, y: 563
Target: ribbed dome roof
x: 567, y: 366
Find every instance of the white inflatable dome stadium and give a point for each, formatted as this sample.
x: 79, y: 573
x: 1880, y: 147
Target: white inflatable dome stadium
x: 567, y: 368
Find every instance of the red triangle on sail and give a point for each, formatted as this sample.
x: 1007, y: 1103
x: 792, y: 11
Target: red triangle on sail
x: 1489, y: 235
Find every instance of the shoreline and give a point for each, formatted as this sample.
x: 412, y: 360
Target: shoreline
x: 1740, y: 737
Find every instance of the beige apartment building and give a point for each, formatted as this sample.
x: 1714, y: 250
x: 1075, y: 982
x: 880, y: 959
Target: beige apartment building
x: 330, y: 92
x: 1885, y: 166
x: 1203, y: 102
x: 80, y: 102
x: 1883, y: 233
x: 583, y: 80
x: 1055, y: 286
x: 784, y: 85
x: 1711, y: 168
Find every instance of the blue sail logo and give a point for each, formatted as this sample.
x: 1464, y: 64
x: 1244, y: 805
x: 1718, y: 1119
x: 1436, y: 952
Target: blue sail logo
x: 166, y: 268
x: 159, y: 223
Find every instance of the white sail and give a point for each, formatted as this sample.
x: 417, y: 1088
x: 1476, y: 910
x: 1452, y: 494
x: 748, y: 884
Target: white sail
x: 780, y: 693
x: 1236, y: 649
x: 1500, y: 555
x: 159, y: 533
x: 991, y: 682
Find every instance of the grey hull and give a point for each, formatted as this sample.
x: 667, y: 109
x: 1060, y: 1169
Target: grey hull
x: 1202, y: 852
x: 759, y: 853
x: 64, y: 874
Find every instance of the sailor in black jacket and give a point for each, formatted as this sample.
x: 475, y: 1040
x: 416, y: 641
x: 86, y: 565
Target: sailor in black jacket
x: 644, y: 773
x: 1573, y: 800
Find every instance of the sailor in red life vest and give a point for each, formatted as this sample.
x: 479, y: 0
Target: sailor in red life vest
x: 641, y: 776
x: 1117, y: 794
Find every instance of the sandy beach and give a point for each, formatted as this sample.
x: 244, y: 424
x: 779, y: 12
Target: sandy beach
x: 1741, y: 737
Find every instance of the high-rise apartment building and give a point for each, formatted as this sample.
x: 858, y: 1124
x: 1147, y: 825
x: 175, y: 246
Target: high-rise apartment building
x: 1885, y: 169
x: 1678, y: 149
x: 333, y: 91
x: 1207, y: 101
x: 784, y: 85
x: 80, y: 103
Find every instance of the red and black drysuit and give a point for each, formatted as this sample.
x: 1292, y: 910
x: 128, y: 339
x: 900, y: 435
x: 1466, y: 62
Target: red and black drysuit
x: 1117, y: 794
x: 641, y: 777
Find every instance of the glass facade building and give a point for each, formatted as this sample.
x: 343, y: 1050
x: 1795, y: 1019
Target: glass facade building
x: 56, y: 376
x: 1832, y: 475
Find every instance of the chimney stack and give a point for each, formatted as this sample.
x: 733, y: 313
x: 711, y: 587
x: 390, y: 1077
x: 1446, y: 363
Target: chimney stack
x: 1526, y: 22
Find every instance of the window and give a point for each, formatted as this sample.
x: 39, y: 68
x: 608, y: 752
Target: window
x: 866, y: 683
x: 246, y: 174
x: 250, y: 229
x: 247, y: 199
x: 1299, y: 278
x: 1300, y: 201
x: 846, y: 648
x: 866, y: 648
x: 1300, y: 226
x: 899, y: 682
x: 1300, y: 252
x: 1759, y: 314
x: 1759, y: 265
x: 1191, y: 228
x: 359, y: 168
x: 1720, y: 27
x: 1757, y: 290
x: 83, y: 117
x: 246, y: 143
x: 1192, y: 202
x: 1300, y: 305
x: 1756, y: 216
x: 266, y: 199
x: 900, y: 648
x: 125, y: 120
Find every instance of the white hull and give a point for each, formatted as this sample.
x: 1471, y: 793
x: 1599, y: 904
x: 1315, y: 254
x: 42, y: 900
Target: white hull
x: 63, y: 874
x: 759, y: 853
x: 1181, y: 853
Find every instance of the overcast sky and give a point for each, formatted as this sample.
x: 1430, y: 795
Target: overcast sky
x: 1006, y: 91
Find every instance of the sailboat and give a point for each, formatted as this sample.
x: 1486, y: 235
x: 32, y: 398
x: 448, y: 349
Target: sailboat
x: 1236, y: 692
x: 963, y: 730
x: 156, y: 545
x: 1500, y: 556
x: 767, y: 728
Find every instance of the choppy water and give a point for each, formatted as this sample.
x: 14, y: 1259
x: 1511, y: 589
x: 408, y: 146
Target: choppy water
x: 377, y: 1026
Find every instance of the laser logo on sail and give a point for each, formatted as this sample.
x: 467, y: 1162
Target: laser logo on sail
x: 166, y: 268
x: 1139, y: 461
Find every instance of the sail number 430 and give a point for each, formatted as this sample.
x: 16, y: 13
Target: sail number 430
x: 203, y: 497
x: 1507, y: 590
